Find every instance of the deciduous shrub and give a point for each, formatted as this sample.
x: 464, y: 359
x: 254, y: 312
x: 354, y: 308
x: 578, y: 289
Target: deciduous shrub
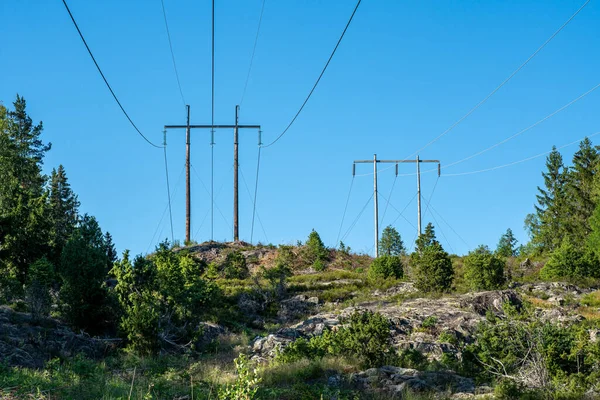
x: 246, y: 384
x: 386, y: 267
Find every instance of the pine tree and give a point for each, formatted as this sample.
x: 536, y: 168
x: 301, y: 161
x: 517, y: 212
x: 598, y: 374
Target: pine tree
x: 391, y: 243
x: 551, y: 209
x: 581, y: 177
x: 484, y: 270
x: 64, y: 213
x: 507, y: 246
x: 111, y: 251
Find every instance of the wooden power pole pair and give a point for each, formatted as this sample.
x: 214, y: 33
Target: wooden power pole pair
x: 236, y: 128
x: 375, y: 161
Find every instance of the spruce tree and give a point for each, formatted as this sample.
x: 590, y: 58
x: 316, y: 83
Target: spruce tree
x: 111, y: 251
x: 83, y: 270
x: 24, y: 220
x: 391, y: 243
x: 551, y: 209
x: 433, y: 267
x: 64, y: 211
x: 581, y: 177
x: 507, y: 246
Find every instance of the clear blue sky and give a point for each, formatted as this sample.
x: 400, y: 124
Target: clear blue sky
x: 403, y: 74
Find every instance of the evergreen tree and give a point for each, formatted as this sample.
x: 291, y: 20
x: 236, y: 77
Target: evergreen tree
x: 433, y: 267
x: 111, y: 251
x: 315, y: 251
x: 551, y: 209
x: 24, y: 220
x: 82, y: 270
x: 593, y: 240
x: 484, y: 270
x: 581, y: 190
x: 64, y: 213
x: 507, y: 246
x: 390, y: 243
x: 426, y: 239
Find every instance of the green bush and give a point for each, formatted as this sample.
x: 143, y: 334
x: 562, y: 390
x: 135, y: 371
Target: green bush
x: 235, y: 266
x: 386, y: 267
x: 569, y: 261
x: 246, y: 384
x: 484, y: 270
x: 429, y: 322
x: 366, y: 337
x: 433, y: 269
x: 163, y: 299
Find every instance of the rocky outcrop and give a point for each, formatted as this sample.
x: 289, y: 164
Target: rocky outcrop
x: 415, y: 323
x: 395, y: 381
x: 26, y: 342
x: 297, y: 307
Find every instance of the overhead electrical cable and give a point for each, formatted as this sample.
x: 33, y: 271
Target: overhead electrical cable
x: 404, y: 209
x: 524, y: 130
x: 454, y: 125
x: 262, y: 9
x: 449, y: 226
x: 165, y: 210
x: 255, y: 193
x: 168, y: 189
x: 257, y: 214
x: 162, y: 2
x: 104, y: 78
x: 519, y: 133
x: 318, y: 79
x: 208, y: 192
x: 398, y: 211
x: 353, y: 224
x: 337, y: 240
x: 522, y: 160
x: 388, y: 201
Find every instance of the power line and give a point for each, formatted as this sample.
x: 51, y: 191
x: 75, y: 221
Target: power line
x: 257, y: 214
x: 319, y: 78
x: 255, y: 190
x: 206, y: 189
x: 344, y: 214
x: 449, y: 226
x: 262, y: 9
x: 521, y: 161
x: 404, y: 209
x: 503, y: 83
x: 172, y: 53
x: 165, y: 210
x: 104, y: 78
x: 388, y: 201
x: 398, y: 211
x: 168, y: 190
x: 353, y: 224
x: 524, y: 130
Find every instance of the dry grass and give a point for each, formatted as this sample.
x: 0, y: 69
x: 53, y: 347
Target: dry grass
x: 540, y: 303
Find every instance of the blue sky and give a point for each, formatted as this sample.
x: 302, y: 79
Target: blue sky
x: 404, y: 73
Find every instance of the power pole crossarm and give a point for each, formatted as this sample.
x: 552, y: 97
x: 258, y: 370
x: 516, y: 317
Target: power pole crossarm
x: 375, y: 161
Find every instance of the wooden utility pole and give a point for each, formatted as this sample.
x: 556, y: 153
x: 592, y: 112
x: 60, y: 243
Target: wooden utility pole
x: 376, y: 204
x: 236, y: 208
x: 375, y: 161
x: 188, y: 221
x: 418, y: 196
x: 236, y: 127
